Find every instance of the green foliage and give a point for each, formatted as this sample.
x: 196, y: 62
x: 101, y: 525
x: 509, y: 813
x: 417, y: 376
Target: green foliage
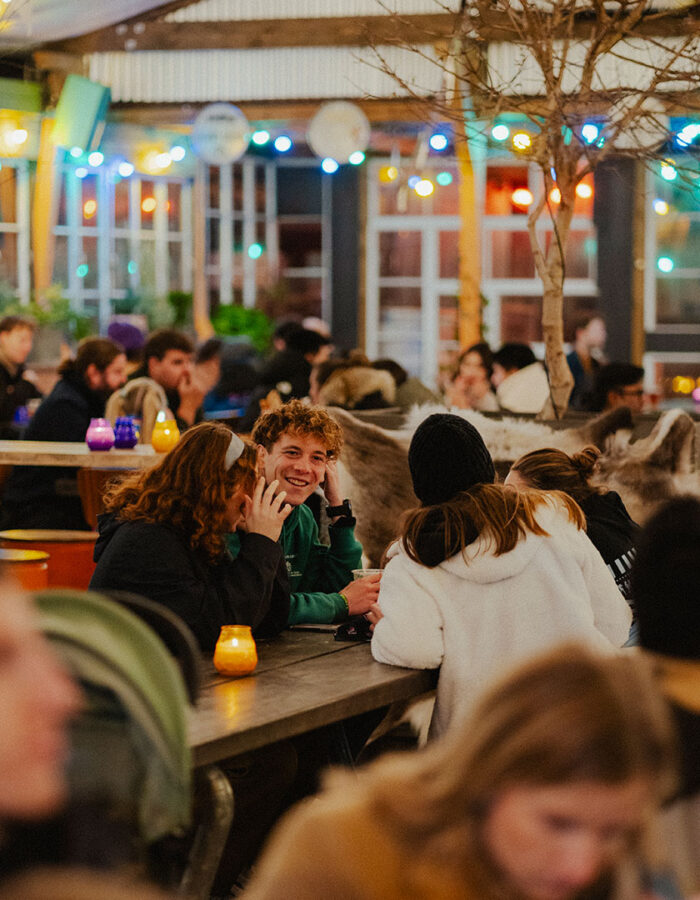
x: 181, y: 303
x: 54, y: 310
x: 237, y: 319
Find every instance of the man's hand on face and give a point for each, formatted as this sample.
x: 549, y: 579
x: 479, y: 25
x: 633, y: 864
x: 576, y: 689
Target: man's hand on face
x: 362, y: 594
x: 331, y: 484
x: 191, y: 398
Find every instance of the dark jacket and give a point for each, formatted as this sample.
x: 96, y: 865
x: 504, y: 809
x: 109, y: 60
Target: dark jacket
x: 157, y: 561
x: 47, y: 496
x: 613, y: 533
x: 173, y: 400
x: 15, y: 391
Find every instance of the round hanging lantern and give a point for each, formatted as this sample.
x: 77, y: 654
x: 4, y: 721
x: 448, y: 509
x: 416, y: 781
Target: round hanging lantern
x: 338, y: 130
x: 220, y: 134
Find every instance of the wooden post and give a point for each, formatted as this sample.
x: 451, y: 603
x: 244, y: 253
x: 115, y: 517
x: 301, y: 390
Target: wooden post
x: 45, y: 211
x: 200, y: 302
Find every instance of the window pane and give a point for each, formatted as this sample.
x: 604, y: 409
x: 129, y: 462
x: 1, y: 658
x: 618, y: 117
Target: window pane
x: 147, y: 269
x: 676, y: 381
x: 581, y: 250
x: 120, y: 264
x: 87, y: 269
x: 679, y: 238
x: 449, y: 254
x: 174, y: 191
x: 8, y: 195
x: 8, y: 259
x: 521, y: 317
x: 300, y: 244
x: 501, y: 182
x: 174, y: 271
x: 213, y: 172
x: 62, y: 215
x: 60, y: 262
x: 449, y: 309
x: 399, y: 254
x: 298, y: 190
x: 148, y: 205
x: 301, y: 296
x: 677, y: 301
x: 511, y: 255
x: 121, y: 203
x: 400, y: 326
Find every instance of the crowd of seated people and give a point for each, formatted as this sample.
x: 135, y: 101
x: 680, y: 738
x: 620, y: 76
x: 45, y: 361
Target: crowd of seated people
x: 485, y: 582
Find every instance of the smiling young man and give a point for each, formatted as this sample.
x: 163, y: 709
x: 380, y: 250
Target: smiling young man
x: 299, y: 446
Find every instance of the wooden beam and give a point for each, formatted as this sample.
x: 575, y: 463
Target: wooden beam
x: 341, y: 31
x: 165, y: 115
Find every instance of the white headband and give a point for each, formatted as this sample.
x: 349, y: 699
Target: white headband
x: 235, y: 448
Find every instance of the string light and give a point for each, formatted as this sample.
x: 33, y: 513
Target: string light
x: 283, y: 143
x: 89, y: 208
x: 668, y: 171
x: 522, y: 141
x: 443, y: 178
x: 424, y: 187
x: 255, y: 251
x: 125, y: 169
x: 555, y: 195
x: 664, y: 264
x: 584, y: 191
x: 500, y: 132
x: 76, y: 152
x: 438, y: 141
x: 388, y: 173
x: 96, y: 159
x: 521, y: 197
x: 81, y: 172
x: 590, y: 132
x: 177, y: 153
x: 260, y: 137
x: 148, y: 204
x: 356, y: 158
x: 660, y: 207
x: 329, y: 165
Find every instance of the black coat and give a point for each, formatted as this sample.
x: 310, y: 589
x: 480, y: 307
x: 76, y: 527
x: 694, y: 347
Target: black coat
x: 613, y: 533
x: 157, y: 562
x: 15, y: 391
x: 47, y: 496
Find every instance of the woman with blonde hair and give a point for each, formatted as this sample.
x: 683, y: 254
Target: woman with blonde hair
x: 484, y: 576
x: 545, y: 793
x: 608, y: 524
x: 163, y: 536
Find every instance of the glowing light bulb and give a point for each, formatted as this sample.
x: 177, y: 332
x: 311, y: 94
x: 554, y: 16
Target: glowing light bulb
x: 413, y: 181
x: 438, y: 141
x: 521, y: 197
x: 664, y: 264
x: 125, y: 169
x: 81, y: 172
x: 522, y: 140
x: 555, y: 195
x: 329, y: 165
x: 590, y: 132
x: 82, y: 270
x: 18, y: 137
x: 584, y: 191
x: 283, y: 143
x: 76, y: 152
x: 388, y: 173
x: 661, y: 208
x: 96, y: 159
x: 500, y: 132
x: 356, y: 158
x: 444, y: 178
x: 177, y: 153
x: 668, y: 172
x: 89, y: 208
x: 261, y: 137
x: 255, y: 251
x: 162, y: 160
x: 424, y: 187
x: 148, y: 204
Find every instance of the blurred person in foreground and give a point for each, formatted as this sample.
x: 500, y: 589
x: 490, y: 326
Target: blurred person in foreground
x: 665, y: 582
x: 47, y: 496
x: 545, y: 793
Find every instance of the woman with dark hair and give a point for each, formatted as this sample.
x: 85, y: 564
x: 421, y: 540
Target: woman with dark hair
x: 471, y: 384
x: 608, y: 523
x: 484, y: 576
x: 163, y: 536
x: 545, y: 793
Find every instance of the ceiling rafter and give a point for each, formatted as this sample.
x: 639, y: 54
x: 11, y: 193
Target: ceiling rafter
x: 334, y: 31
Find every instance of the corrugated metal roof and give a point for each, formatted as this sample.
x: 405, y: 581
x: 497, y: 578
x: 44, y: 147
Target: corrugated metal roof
x: 242, y: 10
x: 630, y: 65
x: 290, y: 73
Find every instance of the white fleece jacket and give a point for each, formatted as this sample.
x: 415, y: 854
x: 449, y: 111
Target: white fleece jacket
x: 477, y: 615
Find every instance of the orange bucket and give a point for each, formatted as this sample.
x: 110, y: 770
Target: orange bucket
x: 70, y: 552
x: 29, y: 567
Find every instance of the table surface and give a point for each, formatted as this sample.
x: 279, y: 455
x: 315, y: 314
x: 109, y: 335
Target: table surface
x: 303, y: 680
x: 67, y: 453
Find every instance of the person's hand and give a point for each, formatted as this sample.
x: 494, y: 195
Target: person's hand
x: 266, y: 510
x: 331, y: 484
x: 361, y: 594
x: 374, y: 615
x: 191, y: 398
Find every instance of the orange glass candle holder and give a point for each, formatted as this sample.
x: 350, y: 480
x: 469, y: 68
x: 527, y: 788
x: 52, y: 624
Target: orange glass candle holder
x: 235, y: 652
x: 165, y: 435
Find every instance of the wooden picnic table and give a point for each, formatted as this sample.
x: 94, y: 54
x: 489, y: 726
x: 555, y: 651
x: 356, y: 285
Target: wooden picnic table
x: 304, y: 680
x: 75, y: 453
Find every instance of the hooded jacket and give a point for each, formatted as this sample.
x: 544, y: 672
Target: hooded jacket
x: 477, y: 615
x: 157, y: 561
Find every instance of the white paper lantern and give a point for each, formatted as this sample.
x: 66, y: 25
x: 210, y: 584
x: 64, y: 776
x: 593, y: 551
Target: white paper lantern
x: 220, y: 134
x: 338, y: 130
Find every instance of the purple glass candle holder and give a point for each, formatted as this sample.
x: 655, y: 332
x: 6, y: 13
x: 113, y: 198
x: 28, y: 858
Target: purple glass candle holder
x: 100, y: 435
x: 126, y: 434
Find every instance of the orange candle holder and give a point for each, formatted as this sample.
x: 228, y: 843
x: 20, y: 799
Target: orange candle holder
x: 165, y: 435
x: 235, y: 652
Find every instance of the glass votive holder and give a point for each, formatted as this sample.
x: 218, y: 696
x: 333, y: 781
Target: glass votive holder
x: 235, y: 652
x: 126, y: 433
x: 165, y: 435
x: 100, y: 435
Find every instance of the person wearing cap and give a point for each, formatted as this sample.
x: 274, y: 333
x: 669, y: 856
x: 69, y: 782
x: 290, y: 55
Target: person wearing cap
x: 664, y: 582
x: 163, y: 536
x: 484, y: 577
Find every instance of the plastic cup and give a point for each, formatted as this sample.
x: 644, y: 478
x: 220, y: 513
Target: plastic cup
x: 362, y: 573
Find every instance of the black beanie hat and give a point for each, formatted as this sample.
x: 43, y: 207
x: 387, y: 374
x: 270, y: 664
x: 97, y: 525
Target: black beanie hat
x: 447, y: 455
x: 665, y: 580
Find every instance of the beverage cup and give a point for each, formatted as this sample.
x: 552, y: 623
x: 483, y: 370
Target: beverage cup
x: 363, y: 573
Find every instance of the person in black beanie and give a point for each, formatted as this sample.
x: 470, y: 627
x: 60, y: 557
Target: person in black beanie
x: 484, y: 577
x: 665, y: 582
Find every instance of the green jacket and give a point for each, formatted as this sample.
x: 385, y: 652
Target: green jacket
x: 316, y: 571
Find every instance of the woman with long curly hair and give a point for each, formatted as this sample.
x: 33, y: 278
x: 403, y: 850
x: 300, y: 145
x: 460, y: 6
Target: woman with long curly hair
x: 545, y: 793
x: 485, y: 576
x: 163, y: 536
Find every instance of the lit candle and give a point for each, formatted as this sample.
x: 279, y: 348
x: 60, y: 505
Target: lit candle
x: 235, y: 652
